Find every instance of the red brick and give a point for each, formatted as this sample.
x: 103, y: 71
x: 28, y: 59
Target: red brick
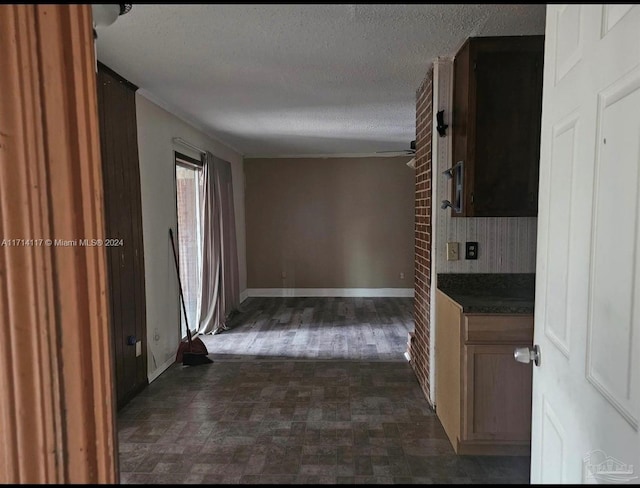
x: 422, y: 228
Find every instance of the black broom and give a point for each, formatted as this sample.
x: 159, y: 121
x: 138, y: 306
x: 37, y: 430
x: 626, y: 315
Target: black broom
x: 194, y: 352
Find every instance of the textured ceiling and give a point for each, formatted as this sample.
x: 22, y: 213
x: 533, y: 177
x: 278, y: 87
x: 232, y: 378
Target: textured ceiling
x: 298, y: 79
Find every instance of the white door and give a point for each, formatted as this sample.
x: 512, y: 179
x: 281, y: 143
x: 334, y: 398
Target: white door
x: 586, y: 390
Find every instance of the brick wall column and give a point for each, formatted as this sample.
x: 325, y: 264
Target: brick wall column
x: 419, y: 347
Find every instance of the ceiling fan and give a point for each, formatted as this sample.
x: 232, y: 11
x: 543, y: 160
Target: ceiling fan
x: 411, y: 151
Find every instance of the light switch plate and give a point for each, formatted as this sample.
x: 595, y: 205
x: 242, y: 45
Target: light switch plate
x: 452, y: 251
x: 138, y: 348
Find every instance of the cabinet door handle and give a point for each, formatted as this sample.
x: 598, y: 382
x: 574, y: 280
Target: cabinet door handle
x: 527, y: 354
x: 455, y: 171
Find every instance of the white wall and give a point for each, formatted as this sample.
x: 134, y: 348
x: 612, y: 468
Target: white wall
x: 156, y: 129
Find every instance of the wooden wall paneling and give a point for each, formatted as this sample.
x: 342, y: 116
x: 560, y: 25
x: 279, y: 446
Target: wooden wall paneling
x: 121, y: 184
x: 120, y: 159
x: 132, y: 180
x: 116, y: 111
x: 111, y: 223
x: 128, y: 236
x: 57, y: 422
x: 114, y: 193
x: 138, y: 243
x: 136, y: 265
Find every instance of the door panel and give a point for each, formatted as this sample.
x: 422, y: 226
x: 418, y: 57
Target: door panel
x: 614, y: 252
x: 611, y: 15
x: 585, y: 392
x: 563, y: 152
x: 553, y: 437
x: 568, y: 39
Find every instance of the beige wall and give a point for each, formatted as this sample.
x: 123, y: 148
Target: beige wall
x: 329, y: 222
x: 156, y: 128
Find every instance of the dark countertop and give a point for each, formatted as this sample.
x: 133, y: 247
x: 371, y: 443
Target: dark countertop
x: 490, y: 292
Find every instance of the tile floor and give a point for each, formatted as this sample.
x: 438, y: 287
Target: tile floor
x: 294, y: 421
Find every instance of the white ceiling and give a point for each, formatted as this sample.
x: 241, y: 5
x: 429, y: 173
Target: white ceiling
x: 298, y: 79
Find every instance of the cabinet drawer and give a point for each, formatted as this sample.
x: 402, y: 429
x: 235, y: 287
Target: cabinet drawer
x: 498, y: 329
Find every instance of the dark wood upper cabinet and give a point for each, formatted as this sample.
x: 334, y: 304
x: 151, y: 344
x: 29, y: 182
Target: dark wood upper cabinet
x: 497, y: 110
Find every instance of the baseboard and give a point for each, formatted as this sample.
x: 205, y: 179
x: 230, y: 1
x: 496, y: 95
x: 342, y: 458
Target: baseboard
x: 329, y: 292
x: 244, y: 295
x: 161, y: 369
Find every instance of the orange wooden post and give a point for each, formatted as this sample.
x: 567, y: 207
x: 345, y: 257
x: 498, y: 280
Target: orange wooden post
x: 56, y: 383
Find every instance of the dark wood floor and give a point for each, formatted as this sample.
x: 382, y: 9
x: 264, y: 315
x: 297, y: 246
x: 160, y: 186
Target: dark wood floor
x: 372, y: 329
x: 291, y: 399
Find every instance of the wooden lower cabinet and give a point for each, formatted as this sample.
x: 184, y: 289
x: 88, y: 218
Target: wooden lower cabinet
x: 483, y: 396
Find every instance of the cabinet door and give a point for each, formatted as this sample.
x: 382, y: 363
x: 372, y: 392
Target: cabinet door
x: 496, y: 120
x: 508, y: 97
x: 497, y: 394
x: 462, y: 131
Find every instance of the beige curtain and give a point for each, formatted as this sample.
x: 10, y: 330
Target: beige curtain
x: 220, y: 294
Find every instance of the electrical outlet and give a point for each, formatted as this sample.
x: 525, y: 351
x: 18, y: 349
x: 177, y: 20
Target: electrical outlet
x: 452, y: 251
x: 402, y: 276
x: 471, y: 251
x: 284, y: 274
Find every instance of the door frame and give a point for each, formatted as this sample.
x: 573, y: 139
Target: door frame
x: 188, y: 162
x: 57, y: 398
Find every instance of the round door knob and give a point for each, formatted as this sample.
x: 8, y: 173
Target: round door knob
x: 527, y: 354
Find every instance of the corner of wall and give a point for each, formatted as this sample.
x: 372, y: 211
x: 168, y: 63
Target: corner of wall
x: 244, y: 294
x: 161, y: 369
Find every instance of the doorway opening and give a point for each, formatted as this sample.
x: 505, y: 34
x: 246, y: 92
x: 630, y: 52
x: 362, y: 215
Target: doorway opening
x: 189, y: 188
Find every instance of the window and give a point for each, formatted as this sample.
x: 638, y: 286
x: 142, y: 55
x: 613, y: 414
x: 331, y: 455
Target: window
x: 188, y: 203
